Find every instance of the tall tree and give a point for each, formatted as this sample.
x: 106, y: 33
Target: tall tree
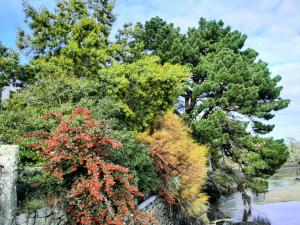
x: 75, y: 32
x: 231, y: 91
x: 81, y: 23
x: 73, y: 41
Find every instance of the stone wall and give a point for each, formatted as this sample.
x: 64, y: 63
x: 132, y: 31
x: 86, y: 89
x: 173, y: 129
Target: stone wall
x: 57, y: 216
x: 162, y: 211
x: 44, y: 216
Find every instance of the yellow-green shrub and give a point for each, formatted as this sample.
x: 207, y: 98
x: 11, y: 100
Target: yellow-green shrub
x: 172, y: 140
x: 144, y: 89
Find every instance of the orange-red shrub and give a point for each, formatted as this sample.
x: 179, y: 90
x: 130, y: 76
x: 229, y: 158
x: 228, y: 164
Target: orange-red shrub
x: 99, y: 192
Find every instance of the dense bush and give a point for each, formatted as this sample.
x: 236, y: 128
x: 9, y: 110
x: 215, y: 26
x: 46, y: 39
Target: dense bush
x: 143, y: 83
x: 98, y: 191
x: 180, y: 161
x: 23, y: 115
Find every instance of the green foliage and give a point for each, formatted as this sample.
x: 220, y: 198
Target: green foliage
x: 14, y: 124
x: 143, y: 83
x: 8, y: 65
x: 136, y: 157
x: 33, y: 203
x: 227, y: 137
x: 223, y: 180
x: 72, y: 41
x: 71, y: 64
x: 236, y: 83
x: 257, y: 186
x: 51, y: 92
x: 223, y: 75
x: 74, y: 36
x: 44, y: 181
x: 227, y: 93
x: 163, y: 39
x: 40, y: 190
x: 11, y: 70
x: 23, y: 113
x: 132, y: 49
x: 88, y: 21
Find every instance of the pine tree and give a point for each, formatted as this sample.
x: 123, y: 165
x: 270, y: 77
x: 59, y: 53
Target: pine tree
x: 231, y: 92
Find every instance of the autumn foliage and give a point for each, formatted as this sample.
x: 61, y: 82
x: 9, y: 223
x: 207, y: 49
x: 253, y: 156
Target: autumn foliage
x: 99, y: 192
x: 181, y: 163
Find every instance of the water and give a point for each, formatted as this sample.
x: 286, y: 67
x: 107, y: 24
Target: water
x: 277, y: 213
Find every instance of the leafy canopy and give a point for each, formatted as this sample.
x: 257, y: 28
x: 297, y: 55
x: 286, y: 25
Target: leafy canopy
x: 80, y: 24
x: 75, y: 33
x: 143, y: 89
x: 73, y: 40
x: 73, y: 64
x: 11, y: 70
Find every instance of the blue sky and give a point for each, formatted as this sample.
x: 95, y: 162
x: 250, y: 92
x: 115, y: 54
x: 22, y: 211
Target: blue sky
x: 272, y: 26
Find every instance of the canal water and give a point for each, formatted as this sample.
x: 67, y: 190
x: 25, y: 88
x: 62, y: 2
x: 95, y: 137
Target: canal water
x: 281, y: 206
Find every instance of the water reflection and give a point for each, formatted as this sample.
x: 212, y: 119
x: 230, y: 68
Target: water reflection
x: 256, y: 221
x: 279, y: 182
x: 280, y: 213
x: 247, y: 214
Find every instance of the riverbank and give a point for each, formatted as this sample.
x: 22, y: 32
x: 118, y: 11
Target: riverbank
x: 284, y: 194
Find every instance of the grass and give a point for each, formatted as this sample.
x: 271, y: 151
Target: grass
x: 32, y: 203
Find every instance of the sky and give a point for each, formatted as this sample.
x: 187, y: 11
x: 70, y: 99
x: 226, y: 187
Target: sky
x: 272, y: 27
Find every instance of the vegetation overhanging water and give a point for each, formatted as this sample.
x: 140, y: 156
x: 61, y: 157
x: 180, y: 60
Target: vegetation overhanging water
x: 276, y: 207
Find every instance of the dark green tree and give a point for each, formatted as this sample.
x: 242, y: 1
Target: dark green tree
x: 231, y: 93
x: 11, y: 71
x: 162, y: 39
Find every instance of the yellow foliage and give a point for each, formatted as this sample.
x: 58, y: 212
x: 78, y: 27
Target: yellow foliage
x: 189, y: 158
